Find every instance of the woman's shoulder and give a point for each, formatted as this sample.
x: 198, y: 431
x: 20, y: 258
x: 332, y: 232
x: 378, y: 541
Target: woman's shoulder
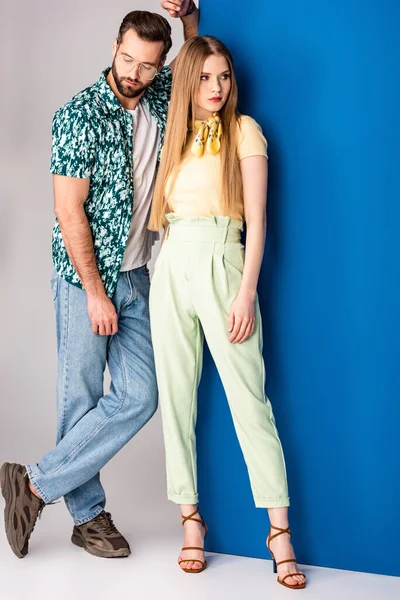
x: 247, y: 121
x: 251, y: 140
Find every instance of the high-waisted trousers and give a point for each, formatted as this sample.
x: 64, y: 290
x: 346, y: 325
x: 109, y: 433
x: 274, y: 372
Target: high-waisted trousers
x: 197, y: 277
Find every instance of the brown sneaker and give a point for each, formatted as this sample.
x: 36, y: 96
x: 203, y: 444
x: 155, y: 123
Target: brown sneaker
x: 101, y: 538
x: 22, y: 507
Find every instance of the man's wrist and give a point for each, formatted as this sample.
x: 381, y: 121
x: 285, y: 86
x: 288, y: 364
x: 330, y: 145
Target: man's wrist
x: 95, y: 288
x: 191, y: 8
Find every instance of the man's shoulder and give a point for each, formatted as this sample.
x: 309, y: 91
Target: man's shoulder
x: 86, y: 105
x: 160, y: 90
x: 165, y: 74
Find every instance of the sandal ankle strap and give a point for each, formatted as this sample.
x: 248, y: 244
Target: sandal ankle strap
x: 280, y: 532
x: 190, y: 518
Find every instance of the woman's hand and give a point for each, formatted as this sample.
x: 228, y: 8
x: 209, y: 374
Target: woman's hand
x: 176, y: 8
x: 241, y: 318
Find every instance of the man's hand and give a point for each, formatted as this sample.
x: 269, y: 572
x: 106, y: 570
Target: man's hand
x: 102, y: 313
x: 176, y: 8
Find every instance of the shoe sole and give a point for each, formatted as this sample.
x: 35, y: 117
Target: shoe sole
x: 78, y: 541
x: 195, y: 571
x: 8, y: 491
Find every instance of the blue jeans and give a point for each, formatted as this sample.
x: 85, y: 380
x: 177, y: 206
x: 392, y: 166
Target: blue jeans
x: 92, y: 426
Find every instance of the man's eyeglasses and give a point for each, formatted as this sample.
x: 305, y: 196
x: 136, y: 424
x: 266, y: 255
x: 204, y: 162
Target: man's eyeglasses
x: 145, y: 71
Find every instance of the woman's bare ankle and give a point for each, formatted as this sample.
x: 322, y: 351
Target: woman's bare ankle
x: 187, y: 509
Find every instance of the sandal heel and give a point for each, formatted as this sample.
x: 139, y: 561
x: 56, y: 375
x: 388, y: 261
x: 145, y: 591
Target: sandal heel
x: 274, y: 567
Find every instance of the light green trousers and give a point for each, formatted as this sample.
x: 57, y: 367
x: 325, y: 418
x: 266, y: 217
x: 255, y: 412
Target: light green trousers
x: 197, y: 277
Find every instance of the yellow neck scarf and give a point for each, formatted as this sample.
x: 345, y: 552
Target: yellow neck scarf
x: 208, y: 137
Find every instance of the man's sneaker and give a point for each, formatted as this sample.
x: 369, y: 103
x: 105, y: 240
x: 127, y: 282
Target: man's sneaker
x: 22, y: 507
x: 101, y: 538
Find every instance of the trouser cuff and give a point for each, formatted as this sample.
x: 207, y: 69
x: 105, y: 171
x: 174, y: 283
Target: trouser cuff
x: 272, y: 502
x: 178, y: 499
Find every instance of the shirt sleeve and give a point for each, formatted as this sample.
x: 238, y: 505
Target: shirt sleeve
x: 73, y: 144
x: 251, y: 140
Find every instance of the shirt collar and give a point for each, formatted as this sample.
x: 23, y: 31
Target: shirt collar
x: 106, y: 92
x: 110, y: 98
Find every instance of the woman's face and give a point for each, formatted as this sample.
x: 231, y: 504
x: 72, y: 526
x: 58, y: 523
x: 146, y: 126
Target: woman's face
x: 214, y: 88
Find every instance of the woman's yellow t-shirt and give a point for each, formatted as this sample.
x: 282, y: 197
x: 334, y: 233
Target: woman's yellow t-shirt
x: 197, y: 189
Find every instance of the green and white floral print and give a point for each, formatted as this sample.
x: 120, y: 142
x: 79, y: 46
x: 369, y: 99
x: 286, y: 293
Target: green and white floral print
x: 92, y: 138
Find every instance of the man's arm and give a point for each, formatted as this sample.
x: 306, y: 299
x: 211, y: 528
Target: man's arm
x: 70, y: 194
x: 178, y: 9
x: 190, y: 22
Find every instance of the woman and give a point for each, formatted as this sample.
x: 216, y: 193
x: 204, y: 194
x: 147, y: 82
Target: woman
x: 212, y: 176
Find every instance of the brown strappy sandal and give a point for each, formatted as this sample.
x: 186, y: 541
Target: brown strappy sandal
x: 298, y: 586
x: 203, y: 562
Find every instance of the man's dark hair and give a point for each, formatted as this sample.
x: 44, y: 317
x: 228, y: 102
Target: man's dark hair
x: 149, y: 26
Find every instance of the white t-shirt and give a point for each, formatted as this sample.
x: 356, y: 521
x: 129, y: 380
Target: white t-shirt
x: 145, y: 149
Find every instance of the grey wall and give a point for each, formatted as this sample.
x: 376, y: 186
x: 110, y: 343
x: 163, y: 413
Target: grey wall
x: 51, y: 50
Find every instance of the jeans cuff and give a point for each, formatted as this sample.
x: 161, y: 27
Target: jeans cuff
x: 34, y: 476
x: 91, y: 516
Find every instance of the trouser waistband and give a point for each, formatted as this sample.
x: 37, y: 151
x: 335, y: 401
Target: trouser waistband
x: 203, y: 229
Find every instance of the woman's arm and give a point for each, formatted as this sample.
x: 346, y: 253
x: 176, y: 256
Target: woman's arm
x: 255, y: 179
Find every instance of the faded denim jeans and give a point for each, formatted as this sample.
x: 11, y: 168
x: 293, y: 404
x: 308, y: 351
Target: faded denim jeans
x: 92, y: 426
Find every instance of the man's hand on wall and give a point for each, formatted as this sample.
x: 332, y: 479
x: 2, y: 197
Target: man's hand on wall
x: 176, y: 8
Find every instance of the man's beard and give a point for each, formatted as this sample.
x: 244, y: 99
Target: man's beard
x: 124, y: 89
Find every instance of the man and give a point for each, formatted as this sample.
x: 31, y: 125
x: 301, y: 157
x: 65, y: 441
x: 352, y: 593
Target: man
x: 106, y: 147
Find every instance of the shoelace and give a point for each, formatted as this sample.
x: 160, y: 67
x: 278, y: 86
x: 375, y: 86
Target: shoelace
x: 42, y: 504
x: 106, y: 523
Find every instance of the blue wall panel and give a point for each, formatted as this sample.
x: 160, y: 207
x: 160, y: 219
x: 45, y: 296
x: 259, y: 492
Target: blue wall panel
x: 322, y: 80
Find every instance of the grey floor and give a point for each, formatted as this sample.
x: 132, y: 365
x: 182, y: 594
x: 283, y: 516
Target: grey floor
x: 55, y: 568
x: 135, y: 484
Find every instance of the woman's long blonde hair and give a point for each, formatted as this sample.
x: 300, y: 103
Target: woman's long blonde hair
x: 186, y: 82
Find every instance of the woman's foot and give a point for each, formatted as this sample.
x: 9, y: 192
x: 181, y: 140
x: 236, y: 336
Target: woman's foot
x: 192, y: 560
x: 282, y: 549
